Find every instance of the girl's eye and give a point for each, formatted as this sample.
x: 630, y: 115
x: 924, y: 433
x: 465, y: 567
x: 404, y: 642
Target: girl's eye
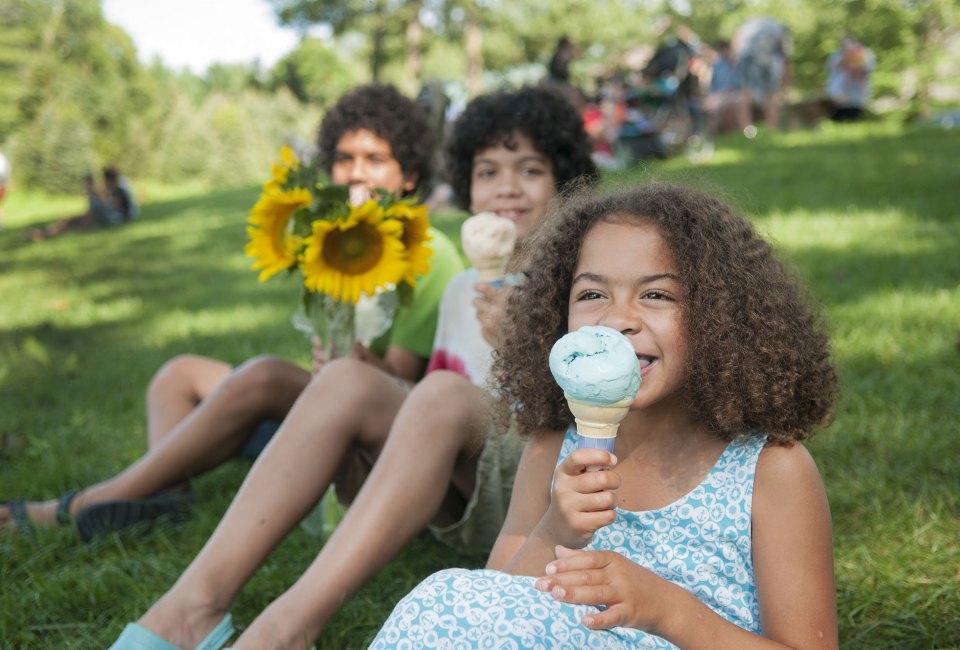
x: 483, y: 173
x: 654, y: 294
x: 532, y: 171
x: 589, y: 294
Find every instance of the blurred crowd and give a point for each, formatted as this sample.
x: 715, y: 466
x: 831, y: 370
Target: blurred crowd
x: 686, y: 91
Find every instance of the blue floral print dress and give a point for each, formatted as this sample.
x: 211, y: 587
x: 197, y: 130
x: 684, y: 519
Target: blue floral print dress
x: 700, y: 542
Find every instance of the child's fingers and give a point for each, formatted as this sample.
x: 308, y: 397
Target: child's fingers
x: 607, y: 618
x: 563, y: 552
x: 487, y: 290
x: 594, y: 521
x: 590, y: 594
x: 600, y: 501
x: 579, y: 460
x: 569, y: 559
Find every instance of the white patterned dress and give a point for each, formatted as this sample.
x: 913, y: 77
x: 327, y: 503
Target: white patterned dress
x: 700, y: 542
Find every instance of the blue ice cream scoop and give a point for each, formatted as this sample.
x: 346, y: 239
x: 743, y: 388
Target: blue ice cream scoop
x: 596, y: 364
x: 600, y: 375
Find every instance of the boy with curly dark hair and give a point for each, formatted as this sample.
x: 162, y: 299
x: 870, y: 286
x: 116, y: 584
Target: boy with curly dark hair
x: 202, y: 412
x: 378, y: 108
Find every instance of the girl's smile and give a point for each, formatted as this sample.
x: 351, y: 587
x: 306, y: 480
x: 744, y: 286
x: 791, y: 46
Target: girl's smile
x: 626, y: 279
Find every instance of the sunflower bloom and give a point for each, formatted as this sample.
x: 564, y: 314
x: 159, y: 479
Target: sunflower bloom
x: 416, y: 234
x: 271, y: 242
x: 279, y: 172
x: 355, y: 256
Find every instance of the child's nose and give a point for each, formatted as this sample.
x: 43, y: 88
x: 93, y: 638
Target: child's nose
x: 358, y: 172
x: 509, y: 185
x: 622, y: 319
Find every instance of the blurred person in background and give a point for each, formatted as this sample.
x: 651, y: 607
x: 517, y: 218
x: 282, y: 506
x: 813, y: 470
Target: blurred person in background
x: 848, y: 82
x: 113, y: 206
x: 724, y: 93
x: 558, y: 73
x: 762, y: 47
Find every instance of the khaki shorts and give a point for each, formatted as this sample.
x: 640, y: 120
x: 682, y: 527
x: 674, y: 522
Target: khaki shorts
x: 477, y: 523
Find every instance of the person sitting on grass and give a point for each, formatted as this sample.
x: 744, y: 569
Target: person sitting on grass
x: 431, y: 458
x: 114, y: 206
x: 202, y: 412
x: 710, y: 527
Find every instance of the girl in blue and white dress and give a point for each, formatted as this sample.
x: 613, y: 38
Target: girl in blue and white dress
x: 711, y: 527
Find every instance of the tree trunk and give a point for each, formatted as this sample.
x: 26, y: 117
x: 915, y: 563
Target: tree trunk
x: 414, y: 58
x: 376, y: 62
x: 473, y: 37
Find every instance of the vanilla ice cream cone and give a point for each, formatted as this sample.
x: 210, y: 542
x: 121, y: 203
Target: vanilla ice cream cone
x: 488, y: 242
x: 491, y: 269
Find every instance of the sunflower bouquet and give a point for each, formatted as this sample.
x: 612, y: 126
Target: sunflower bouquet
x: 359, y: 257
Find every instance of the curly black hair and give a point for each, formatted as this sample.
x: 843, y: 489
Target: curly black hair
x: 384, y: 111
x: 758, y: 359
x: 541, y: 114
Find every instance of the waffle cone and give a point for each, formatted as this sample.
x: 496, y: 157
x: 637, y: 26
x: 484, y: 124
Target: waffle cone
x: 490, y: 268
x: 598, y: 420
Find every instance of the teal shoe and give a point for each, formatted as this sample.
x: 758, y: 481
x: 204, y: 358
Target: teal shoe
x: 137, y: 637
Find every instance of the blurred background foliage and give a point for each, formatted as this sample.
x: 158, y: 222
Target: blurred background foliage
x: 74, y: 96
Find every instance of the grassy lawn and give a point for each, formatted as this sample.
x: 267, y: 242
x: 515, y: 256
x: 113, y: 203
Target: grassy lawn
x: 866, y: 213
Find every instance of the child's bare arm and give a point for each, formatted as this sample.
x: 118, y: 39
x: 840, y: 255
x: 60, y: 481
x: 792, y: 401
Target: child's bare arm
x: 529, y: 500
x: 579, y: 503
x: 793, y: 550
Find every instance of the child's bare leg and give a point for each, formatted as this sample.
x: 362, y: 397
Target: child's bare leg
x: 772, y: 110
x: 265, y: 387
x: 348, y: 403
x: 177, y: 388
x: 435, y: 442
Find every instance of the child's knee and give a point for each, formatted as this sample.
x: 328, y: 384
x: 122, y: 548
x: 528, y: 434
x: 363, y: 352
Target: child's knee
x: 442, y: 384
x: 265, y: 378
x: 348, y: 381
x: 452, y: 398
x: 180, y: 373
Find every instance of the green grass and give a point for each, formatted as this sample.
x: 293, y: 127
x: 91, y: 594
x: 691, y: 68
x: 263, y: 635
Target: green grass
x: 867, y: 215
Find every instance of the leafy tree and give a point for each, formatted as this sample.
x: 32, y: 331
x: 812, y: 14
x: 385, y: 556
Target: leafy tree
x: 233, y: 77
x: 387, y: 22
x: 314, y: 73
x: 56, y: 152
x: 86, y: 69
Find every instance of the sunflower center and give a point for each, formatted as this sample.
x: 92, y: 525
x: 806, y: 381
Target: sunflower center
x: 354, y: 251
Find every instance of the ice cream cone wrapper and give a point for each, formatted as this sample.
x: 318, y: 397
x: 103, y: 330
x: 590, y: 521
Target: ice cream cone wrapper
x: 597, y: 424
x: 491, y: 269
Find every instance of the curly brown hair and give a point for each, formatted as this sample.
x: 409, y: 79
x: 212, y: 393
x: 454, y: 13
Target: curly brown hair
x: 385, y: 112
x: 543, y: 115
x: 758, y: 359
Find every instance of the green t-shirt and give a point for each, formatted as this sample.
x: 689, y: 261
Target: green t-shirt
x: 414, y: 325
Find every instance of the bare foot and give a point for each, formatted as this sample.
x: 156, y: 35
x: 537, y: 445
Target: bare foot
x: 40, y: 514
